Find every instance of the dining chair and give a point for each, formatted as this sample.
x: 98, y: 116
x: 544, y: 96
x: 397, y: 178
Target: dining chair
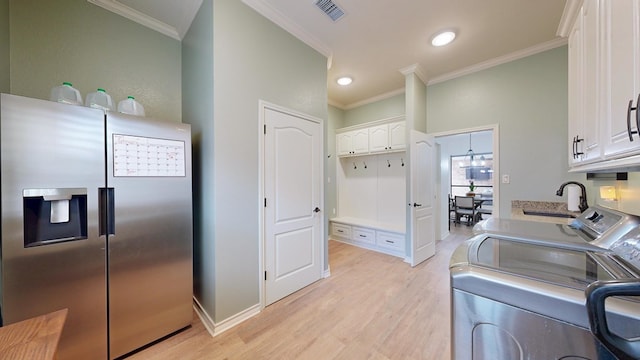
x: 464, y: 207
x: 452, y: 211
x: 485, y: 209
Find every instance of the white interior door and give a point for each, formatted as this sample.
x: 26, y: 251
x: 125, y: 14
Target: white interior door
x: 423, y: 180
x: 293, y: 220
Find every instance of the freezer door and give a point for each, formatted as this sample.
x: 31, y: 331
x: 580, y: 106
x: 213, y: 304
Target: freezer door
x: 150, y: 242
x: 52, y: 164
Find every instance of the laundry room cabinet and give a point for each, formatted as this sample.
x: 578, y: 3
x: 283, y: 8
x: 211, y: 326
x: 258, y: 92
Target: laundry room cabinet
x: 371, y: 188
x: 353, y: 142
x: 387, y: 137
x: 621, y: 73
x: 584, y: 134
x: 369, y: 235
x: 604, y: 85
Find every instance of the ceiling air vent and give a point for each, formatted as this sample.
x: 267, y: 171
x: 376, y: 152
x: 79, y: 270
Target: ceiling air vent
x: 330, y: 8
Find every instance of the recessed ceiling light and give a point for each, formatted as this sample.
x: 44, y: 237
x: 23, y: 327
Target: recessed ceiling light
x: 344, y: 81
x: 443, y: 38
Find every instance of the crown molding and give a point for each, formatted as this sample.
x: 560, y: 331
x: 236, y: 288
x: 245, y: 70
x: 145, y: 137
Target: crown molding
x: 287, y: 24
x: 144, y: 19
x: 336, y: 104
x: 189, y: 14
x: 414, y: 69
x: 366, y: 101
x: 569, y: 15
x: 462, y: 72
x: 375, y: 98
x: 555, y: 43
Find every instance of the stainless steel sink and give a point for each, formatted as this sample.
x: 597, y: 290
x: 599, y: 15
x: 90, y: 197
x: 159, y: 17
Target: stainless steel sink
x: 542, y: 213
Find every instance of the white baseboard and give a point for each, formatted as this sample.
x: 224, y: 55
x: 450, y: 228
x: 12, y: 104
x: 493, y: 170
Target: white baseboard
x: 326, y: 273
x: 217, y: 329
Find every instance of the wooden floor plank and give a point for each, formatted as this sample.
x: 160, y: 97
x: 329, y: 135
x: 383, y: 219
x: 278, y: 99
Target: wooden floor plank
x: 373, y: 306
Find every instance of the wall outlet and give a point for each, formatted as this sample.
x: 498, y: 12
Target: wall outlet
x: 506, y: 179
x: 334, y: 211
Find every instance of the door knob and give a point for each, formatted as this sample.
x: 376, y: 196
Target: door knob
x: 316, y: 210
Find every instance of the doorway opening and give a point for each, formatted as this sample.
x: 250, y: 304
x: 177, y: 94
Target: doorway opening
x: 469, y: 165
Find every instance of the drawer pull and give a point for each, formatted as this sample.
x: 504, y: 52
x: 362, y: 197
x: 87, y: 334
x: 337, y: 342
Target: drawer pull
x: 390, y: 242
x: 341, y: 231
x: 363, y: 235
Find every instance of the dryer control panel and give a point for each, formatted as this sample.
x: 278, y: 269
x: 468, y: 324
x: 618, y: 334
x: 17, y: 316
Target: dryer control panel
x: 628, y: 248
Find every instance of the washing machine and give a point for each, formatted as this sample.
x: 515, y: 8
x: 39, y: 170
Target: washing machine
x: 513, y: 298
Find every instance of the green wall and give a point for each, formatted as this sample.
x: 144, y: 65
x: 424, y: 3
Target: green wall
x: 76, y: 41
x: 4, y: 46
x: 528, y: 99
x: 415, y: 103
x: 335, y: 121
x: 250, y: 58
x: 383, y: 109
x: 197, y: 94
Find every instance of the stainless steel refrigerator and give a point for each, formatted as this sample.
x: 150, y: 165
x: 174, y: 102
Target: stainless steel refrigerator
x: 96, y: 218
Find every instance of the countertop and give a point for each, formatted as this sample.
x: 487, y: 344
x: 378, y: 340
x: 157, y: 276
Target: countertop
x: 35, y: 338
x: 519, y: 207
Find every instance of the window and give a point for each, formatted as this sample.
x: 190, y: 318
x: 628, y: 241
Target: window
x: 464, y: 170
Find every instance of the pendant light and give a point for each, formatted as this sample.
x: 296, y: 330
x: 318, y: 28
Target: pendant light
x: 470, y: 154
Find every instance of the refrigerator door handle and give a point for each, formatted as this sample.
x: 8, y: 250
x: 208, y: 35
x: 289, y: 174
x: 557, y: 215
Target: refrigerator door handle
x: 106, y: 211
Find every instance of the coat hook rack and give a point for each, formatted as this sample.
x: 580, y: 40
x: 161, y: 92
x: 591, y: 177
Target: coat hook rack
x: 402, y: 161
x: 354, y: 165
x: 365, y: 164
x: 388, y: 163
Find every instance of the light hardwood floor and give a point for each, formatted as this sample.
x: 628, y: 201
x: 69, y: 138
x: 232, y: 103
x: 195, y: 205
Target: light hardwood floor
x: 373, y: 306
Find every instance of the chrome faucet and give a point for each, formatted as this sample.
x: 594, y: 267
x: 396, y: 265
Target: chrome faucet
x: 583, y: 197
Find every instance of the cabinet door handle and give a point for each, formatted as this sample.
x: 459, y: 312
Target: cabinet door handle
x: 629, y: 110
x: 637, y: 116
x: 316, y: 210
x: 578, y: 153
x: 416, y: 205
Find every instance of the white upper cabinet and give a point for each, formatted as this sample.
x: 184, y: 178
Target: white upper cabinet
x: 604, y: 86
x: 376, y: 137
x: 584, y: 137
x: 355, y: 142
x: 379, y: 138
x: 361, y: 141
x: 387, y: 137
x: 397, y: 135
x: 343, y: 144
x: 621, y: 70
x: 575, y: 106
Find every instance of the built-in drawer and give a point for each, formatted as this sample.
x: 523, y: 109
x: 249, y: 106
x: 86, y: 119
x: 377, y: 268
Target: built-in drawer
x: 341, y: 230
x: 364, y: 234
x: 390, y: 240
